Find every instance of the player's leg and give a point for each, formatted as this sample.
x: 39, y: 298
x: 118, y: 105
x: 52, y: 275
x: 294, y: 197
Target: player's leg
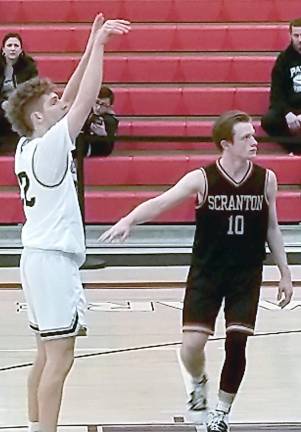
x: 241, y: 304
x: 231, y: 378
x: 192, y: 352
x: 33, y: 382
x: 27, y: 268
x: 233, y: 368
x: 201, y: 305
x: 59, y: 360
x: 58, y: 301
x: 193, y: 358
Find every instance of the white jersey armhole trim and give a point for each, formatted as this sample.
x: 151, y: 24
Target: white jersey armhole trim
x: 267, y: 175
x: 202, y: 199
x: 44, y: 184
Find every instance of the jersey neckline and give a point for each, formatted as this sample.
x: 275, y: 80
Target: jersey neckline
x: 231, y: 180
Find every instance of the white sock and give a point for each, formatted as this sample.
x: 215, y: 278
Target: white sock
x: 33, y: 427
x: 225, y: 401
x: 197, y: 380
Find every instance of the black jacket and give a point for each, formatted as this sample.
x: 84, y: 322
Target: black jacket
x: 101, y: 145
x: 285, y: 93
x: 24, y: 69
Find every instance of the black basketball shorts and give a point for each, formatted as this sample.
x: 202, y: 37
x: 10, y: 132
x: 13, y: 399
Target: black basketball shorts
x: 206, y: 290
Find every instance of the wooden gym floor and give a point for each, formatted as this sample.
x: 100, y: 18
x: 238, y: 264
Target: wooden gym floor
x: 128, y: 377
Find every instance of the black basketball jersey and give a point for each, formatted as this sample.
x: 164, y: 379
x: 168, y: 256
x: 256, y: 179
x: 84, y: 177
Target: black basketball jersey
x: 232, y: 218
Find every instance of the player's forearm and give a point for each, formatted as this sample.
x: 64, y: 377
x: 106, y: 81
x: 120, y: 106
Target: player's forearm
x: 276, y: 246
x: 145, y: 212
x: 73, y: 84
x: 92, y: 78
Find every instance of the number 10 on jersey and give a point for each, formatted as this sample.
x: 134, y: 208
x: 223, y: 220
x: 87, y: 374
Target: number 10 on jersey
x: 236, y: 225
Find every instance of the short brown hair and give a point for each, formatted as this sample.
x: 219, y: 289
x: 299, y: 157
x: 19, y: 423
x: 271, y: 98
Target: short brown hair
x: 295, y: 23
x: 106, y: 92
x: 16, y: 107
x: 223, y: 127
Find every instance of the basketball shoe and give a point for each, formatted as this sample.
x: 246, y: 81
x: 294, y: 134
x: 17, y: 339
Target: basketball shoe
x: 218, y: 421
x: 198, y: 396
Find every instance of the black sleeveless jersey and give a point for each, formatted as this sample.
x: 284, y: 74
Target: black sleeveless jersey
x: 232, y: 218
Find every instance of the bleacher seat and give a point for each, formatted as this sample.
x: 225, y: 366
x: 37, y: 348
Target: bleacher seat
x: 187, y: 69
x: 146, y: 171
x: 189, y: 101
x: 164, y: 38
x: 178, y: 69
x: 158, y: 169
x: 109, y: 206
x: 23, y: 11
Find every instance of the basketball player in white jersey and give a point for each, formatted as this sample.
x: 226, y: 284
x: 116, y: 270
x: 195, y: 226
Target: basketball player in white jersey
x: 53, y: 236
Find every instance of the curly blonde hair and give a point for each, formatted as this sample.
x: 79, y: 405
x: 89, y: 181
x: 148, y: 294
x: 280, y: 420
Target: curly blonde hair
x: 18, y: 107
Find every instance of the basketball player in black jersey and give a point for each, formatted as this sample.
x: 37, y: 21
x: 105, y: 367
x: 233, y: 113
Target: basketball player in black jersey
x: 235, y: 217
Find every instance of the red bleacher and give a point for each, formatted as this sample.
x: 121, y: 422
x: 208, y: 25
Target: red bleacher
x: 182, y: 64
x: 108, y: 206
x: 23, y: 11
x: 158, y: 169
x: 190, y: 101
x: 101, y: 205
x: 153, y: 171
x: 164, y: 38
x: 188, y: 69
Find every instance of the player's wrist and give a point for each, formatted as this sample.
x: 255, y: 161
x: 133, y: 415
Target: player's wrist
x: 285, y: 271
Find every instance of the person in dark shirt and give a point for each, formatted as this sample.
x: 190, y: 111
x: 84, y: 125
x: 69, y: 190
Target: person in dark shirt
x: 15, y: 67
x: 99, y: 132
x: 235, y: 216
x: 283, y: 120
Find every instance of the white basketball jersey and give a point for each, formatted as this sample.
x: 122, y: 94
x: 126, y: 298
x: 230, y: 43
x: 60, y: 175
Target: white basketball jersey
x: 43, y: 167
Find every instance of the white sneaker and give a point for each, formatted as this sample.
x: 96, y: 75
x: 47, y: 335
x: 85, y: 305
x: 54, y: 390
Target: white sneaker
x: 218, y: 421
x: 198, y: 396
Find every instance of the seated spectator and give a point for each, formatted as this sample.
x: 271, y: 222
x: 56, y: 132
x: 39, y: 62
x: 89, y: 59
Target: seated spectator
x: 284, y: 116
x: 15, y: 68
x: 98, y: 134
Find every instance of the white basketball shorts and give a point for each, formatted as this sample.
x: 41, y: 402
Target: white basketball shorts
x: 53, y: 292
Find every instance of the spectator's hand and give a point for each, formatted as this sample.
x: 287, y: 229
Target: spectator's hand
x: 285, y: 291
x: 98, y: 128
x: 292, y: 121
x: 110, y: 28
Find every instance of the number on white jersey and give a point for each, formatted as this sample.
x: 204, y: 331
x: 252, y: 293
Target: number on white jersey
x: 24, y: 184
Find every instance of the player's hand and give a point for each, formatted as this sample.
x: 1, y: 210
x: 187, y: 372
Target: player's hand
x: 285, y: 291
x: 4, y: 105
x: 97, y: 24
x: 299, y: 118
x: 292, y: 121
x: 110, y: 28
x: 119, y: 231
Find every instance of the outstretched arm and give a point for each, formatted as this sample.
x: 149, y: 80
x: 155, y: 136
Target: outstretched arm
x: 92, y: 77
x: 73, y: 84
x: 190, y: 184
x: 276, y: 246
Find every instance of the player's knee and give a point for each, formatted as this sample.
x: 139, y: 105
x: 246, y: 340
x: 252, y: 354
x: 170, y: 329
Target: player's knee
x: 193, y: 342
x: 39, y: 362
x: 60, y: 357
x: 60, y: 367
x: 66, y: 361
x: 235, y: 361
x: 235, y: 345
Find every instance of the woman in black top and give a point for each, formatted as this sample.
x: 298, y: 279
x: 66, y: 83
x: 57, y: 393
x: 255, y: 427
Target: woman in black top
x: 15, y: 67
